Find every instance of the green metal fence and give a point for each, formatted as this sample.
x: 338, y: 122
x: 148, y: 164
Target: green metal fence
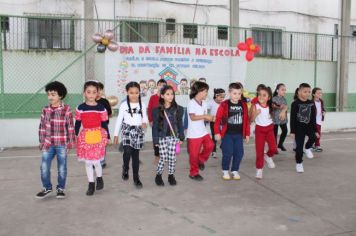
x: 36, y: 50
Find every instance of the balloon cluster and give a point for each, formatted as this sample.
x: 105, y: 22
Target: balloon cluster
x: 250, y: 47
x: 105, y: 41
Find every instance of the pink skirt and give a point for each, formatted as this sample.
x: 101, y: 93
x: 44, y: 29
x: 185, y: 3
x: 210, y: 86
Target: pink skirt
x: 91, y: 153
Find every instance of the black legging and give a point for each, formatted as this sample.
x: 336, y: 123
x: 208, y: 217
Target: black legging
x: 283, y: 134
x: 213, y: 135
x: 135, y: 154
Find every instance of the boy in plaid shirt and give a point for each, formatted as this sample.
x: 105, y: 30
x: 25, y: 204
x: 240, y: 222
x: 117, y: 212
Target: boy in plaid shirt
x: 56, y: 136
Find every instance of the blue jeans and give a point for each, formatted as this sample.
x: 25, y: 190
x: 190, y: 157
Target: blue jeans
x: 232, y: 146
x: 47, y: 157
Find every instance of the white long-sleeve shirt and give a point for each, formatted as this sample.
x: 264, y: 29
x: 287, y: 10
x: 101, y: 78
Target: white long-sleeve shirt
x: 125, y: 117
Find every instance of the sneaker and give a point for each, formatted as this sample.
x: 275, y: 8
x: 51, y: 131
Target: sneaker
x: 99, y: 183
x: 201, y: 166
x: 309, y: 153
x: 196, y: 177
x: 299, y: 168
x: 172, y: 180
x: 125, y: 174
x: 138, y: 182
x: 270, y: 162
x: 235, y: 175
x: 282, y: 148
x: 103, y: 165
x: 259, y: 173
x: 44, y: 193
x: 226, y: 175
x: 60, y: 194
x: 159, y: 180
x: 213, y: 154
x: 318, y: 149
x: 91, y: 189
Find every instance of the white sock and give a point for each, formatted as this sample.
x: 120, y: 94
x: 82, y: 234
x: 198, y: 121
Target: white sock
x: 98, y: 170
x: 90, y: 172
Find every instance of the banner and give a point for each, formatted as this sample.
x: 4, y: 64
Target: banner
x: 180, y: 65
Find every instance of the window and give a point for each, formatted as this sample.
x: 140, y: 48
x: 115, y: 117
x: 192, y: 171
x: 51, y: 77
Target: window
x: 50, y: 34
x: 170, y: 25
x: 135, y: 31
x: 270, y: 41
x: 190, y: 31
x: 4, y: 20
x: 223, y: 32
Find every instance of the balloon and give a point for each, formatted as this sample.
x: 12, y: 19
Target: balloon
x: 97, y: 37
x: 249, y: 56
x: 113, y: 46
x: 113, y: 100
x: 242, y: 46
x: 109, y: 34
x: 105, y: 41
x: 101, y: 48
x: 249, y: 41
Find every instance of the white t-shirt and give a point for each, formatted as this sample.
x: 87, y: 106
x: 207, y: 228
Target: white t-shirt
x: 319, y: 114
x: 125, y: 117
x: 264, y: 118
x: 213, y: 107
x: 196, y: 129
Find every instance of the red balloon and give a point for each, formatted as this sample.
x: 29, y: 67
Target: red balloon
x: 249, y: 41
x: 249, y: 56
x: 258, y: 48
x: 242, y: 46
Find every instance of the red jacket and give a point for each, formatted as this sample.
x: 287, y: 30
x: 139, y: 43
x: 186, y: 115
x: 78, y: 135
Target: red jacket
x: 222, y: 117
x: 152, y: 104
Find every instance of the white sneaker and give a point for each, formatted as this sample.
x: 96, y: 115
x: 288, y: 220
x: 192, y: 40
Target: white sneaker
x: 270, y: 162
x: 259, y: 173
x: 300, y: 168
x: 226, y: 175
x: 309, y: 153
x: 213, y: 154
x: 235, y: 175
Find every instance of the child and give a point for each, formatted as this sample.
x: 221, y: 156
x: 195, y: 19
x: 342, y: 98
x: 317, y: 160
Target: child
x: 102, y: 100
x: 213, y: 105
x: 295, y: 97
x: 167, y: 130
x: 56, y: 136
x: 200, y: 143
x: 131, y: 121
x: 153, y: 103
x: 280, y: 108
x: 320, y: 115
x: 264, y: 131
x: 94, y: 136
x: 303, y: 123
x: 232, y: 125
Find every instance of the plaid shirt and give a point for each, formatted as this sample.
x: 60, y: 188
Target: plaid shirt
x: 56, y: 127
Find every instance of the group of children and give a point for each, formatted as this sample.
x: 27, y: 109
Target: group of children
x: 230, y: 121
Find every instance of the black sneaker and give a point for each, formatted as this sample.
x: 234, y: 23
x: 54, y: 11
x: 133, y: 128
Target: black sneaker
x: 60, y: 194
x: 282, y: 148
x: 99, y: 183
x: 137, y: 182
x: 125, y: 174
x: 103, y: 165
x: 44, y: 193
x: 159, y: 180
x: 196, y: 177
x: 172, y: 180
x: 91, y: 189
x: 201, y: 166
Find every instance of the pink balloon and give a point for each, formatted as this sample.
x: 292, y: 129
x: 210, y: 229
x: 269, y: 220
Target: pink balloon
x: 242, y: 46
x: 113, y: 46
x: 109, y: 34
x: 97, y: 37
x: 249, y: 56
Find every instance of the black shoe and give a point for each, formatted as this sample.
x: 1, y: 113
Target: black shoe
x: 60, y: 194
x: 201, y: 166
x: 99, y: 183
x: 44, y: 193
x: 91, y: 189
x: 159, y: 180
x: 125, y: 174
x: 196, y: 177
x: 103, y: 165
x: 172, y: 180
x: 137, y: 182
x: 282, y: 148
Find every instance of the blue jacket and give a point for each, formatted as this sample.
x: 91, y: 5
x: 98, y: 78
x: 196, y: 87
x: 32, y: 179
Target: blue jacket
x: 159, y: 131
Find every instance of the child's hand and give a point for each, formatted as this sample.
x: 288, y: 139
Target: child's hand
x: 180, y: 142
x: 209, y: 118
x: 317, y: 135
x: 151, y: 123
x: 282, y: 116
x: 323, y: 113
x: 247, y: 139
x: 156, y: 145
x: 116, y: 140
x: 258, y: 111
x: 144, y: 126
x: 292, y: 135
x: 217, y: 137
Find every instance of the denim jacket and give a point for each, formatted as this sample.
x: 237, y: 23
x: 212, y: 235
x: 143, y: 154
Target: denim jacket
x: 159, y: 131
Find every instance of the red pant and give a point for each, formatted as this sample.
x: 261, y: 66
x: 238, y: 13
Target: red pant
x: 263, y: 135
x: 196, y: 154
x: 318, y: 130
